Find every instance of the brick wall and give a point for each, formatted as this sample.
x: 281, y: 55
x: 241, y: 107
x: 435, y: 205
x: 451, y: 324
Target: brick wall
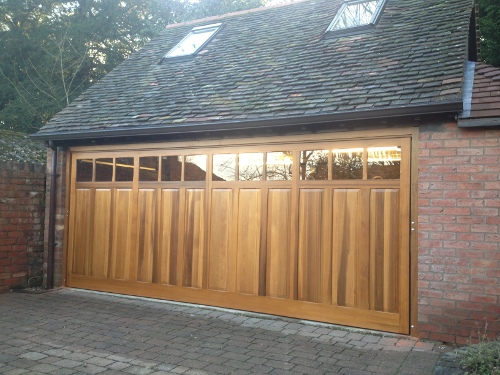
x: 459, y: 252
x: 21, y: 225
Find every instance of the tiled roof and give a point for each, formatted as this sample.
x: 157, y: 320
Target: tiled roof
x: 275, y: 63
x: 486, y: 92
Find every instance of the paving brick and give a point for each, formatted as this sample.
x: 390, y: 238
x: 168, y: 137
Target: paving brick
x: 118, y: 366
x: 268, y: 351
x: 90, y: 369
x: 68, y: 363
x: 137, y: 370
x: 33, y: 356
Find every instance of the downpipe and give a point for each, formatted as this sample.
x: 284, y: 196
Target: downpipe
x: 52, y: 217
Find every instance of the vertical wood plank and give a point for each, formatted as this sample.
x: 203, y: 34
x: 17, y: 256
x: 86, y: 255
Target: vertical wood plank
x: 218, y: 251
x: 278, y: 242
x: 249, y: 231
x: 102, y: 233
x: 384, y: 249
x: 157, y: 235
x: 169, y: 236
x: 146, y: 223
x: 264, y: 260
x: 233, y: 243
x: 122, y: 234
x: 309, y: 253
x: 363, y: 253
x: 347, y: 212
x: 194, y: 238
x: 326, y: 245
x: 82, y: 241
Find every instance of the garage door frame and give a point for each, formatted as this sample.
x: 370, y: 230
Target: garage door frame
x: 343, y: 316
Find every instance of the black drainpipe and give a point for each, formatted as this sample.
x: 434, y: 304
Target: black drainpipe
x: 52, y: 218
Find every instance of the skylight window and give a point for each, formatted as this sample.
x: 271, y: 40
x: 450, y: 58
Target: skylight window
x: 357, y: 13
x: 194, y: 41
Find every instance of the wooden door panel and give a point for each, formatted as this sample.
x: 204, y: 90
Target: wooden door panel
x: 333, y: 250
x: 310, y: 245
x: 350, y: 253
x: 102, y: 233
x: 278, y: 242
x: 384, y: 249
x: 122, y: 234
x: 82, y: 239
x: 194, y: 238
x: 219, y: 248
x: 248, y: 248
x: 146, y: 238
x: 169, y: 236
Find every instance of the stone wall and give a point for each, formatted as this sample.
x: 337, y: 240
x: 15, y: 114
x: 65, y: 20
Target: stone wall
x: 22, y: 200
x: 459, y: 252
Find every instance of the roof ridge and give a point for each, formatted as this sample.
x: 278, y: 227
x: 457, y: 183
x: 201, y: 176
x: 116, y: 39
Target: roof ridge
x: 232, y: 14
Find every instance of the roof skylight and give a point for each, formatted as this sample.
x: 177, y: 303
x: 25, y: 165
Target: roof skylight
x: 194, y: 41
x: 355, y: 13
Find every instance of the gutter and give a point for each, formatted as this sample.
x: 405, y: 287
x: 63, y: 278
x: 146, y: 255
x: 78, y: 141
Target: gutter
x: 52, y: 218
x: 272, y: 122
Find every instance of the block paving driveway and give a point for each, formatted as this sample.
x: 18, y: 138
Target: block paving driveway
x: 70, y: 331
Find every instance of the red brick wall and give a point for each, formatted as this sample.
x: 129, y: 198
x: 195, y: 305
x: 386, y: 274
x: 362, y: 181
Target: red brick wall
x: 459, y: 252
x: 21, y: 225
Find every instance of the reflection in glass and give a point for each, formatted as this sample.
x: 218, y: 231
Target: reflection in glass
x: 104, y: 169
x: 224, y: 167
x: 171, y: 168
x: 384, y: 163
x: 279, y: 165
x: 347, y: 164
x: 195, y: 168
x: 314, y: 165
x: 124, y: 169
x: 356, y: 14
x: 193, y: 41
x: 84, y: 169
x: 250, y: 166
x: 148, y: 168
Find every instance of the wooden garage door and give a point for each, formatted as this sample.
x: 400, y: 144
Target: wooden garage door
x: 315, y: 230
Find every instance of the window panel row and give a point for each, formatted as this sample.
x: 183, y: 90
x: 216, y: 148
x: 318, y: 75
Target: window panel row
x: 337, y: 164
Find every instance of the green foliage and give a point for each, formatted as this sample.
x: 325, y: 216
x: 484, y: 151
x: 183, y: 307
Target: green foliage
x: 204, y: 8
x: 489, y: 21
x: 53, y: 50
x: 19, y: 148
x: 482, y: 358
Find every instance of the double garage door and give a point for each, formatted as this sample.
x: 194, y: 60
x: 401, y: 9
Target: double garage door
x: 313, y: 229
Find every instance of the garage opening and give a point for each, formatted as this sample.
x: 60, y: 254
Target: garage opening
x: 315, y: 230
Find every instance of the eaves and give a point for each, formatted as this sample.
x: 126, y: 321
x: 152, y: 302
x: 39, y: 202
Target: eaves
x: 220, y: 126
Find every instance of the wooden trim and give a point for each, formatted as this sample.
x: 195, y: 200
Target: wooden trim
x: 404, y: 260
x: 294, y: 227
x: 414, y: 234
x: 269, y: 143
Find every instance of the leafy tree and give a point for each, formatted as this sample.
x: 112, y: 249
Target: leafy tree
x: 52, y: 50
x: 205, y: 8
x: 489, y: 23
